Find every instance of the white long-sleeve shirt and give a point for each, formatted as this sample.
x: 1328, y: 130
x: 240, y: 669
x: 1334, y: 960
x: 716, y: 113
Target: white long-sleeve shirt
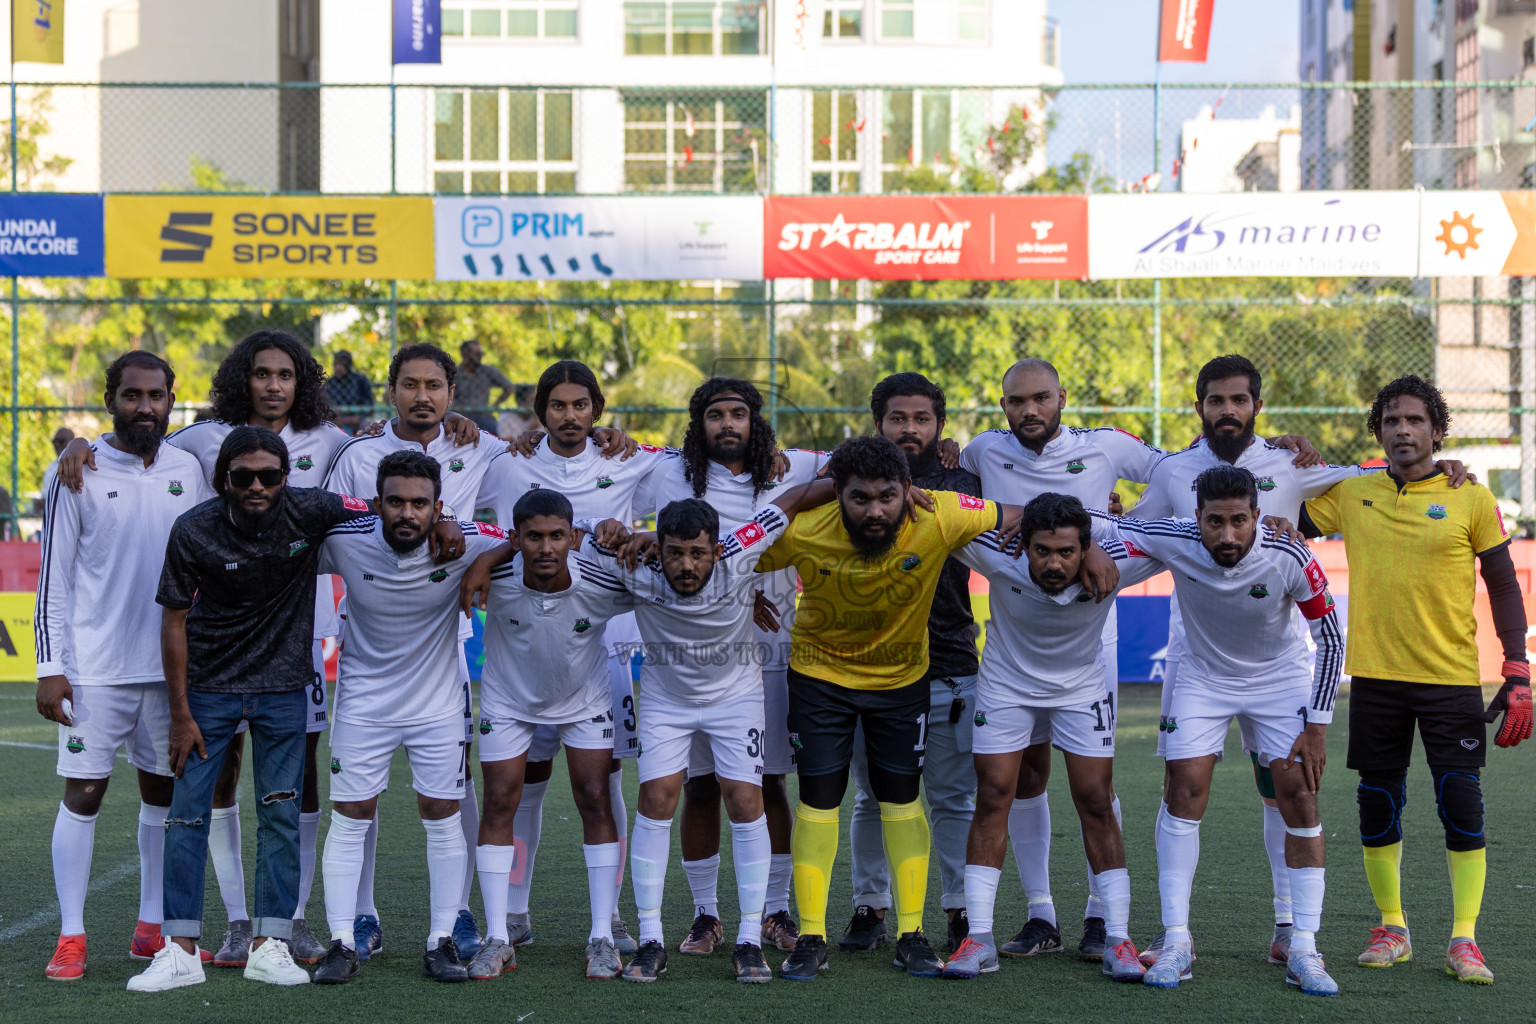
x: 96, y: 620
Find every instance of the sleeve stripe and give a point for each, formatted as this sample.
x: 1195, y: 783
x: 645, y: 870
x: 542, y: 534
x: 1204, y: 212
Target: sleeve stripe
x: 1302, y: 556
x: 363, y: 524
x: 336, y: 459
x: 1330, y: 663
x: 40, y: 626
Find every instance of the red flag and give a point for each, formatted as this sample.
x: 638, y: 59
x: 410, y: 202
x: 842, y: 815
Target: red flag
x: 1185, y: 31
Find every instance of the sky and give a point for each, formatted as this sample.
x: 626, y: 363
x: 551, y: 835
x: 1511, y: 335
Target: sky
x: 1251, y: 41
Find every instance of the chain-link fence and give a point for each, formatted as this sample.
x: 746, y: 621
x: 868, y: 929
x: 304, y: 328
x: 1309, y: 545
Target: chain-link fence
x: 1128, y: 351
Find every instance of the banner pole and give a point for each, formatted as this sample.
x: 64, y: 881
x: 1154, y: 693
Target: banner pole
x: 15, y: 308
x: 1157, y: 284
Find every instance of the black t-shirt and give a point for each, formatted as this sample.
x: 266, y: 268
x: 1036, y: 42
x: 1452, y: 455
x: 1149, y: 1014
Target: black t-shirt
x: 252, y: 596
x: 951, y: 626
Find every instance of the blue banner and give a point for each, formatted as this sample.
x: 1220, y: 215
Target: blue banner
x: 50, y: 235
x: 1143, y: 636
x: 418, y: 32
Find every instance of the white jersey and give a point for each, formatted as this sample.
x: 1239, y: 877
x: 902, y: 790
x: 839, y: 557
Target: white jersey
x: 701, y: 649
x: 545, y: 660
x: 730, y: 495
x: 1282, y: 488
x: 309, y: 458
x: 597, y: 487
x: 1043, y: 650
x: 96, y: 619
x: 1239, y: 623
x: 400, y: 664
x: 355, y: 470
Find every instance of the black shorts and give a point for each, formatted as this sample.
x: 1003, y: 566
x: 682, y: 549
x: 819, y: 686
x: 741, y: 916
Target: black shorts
x: 1383, y: 712
x: 822, y: 717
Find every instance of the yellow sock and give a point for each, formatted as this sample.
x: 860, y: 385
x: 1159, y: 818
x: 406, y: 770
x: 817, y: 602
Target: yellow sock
x: 906, y: 844
x: 814, y: 849
x: 1469, y: 869
x: 1382, y: 870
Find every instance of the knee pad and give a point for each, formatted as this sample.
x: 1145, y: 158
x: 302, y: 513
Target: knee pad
x: 823, y: 791
x: 1459, y: 794
x: 1381, y: 798
x: 890, y: 787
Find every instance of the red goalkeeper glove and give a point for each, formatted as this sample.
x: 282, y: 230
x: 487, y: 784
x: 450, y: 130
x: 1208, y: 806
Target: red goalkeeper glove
x: 1514, y: 699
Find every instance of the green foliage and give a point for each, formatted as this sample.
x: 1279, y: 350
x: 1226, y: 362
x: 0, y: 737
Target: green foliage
x: 32, y: 126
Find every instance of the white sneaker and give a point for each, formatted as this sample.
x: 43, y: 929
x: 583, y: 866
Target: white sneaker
x: 272, y: 963
x: 172, y: 967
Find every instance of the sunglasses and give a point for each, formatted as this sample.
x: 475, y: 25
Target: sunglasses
x: 242, y: 478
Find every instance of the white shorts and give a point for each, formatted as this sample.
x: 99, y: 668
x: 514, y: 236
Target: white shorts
x: 503, y: 737
x: 778, y: 755
x: 133, y: 715
x: 1197, y: 722
x: 1165, y: 706
x: 625, y: 738
x: 1087, y: 729
x: 316, y: 720
x: 733, y: 730
x: 361, y: 754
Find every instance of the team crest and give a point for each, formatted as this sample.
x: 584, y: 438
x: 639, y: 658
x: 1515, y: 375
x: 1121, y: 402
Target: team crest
x: 980, y: 719
x: 911, y: 562
x: 455, y: 465
x: 1168, y: 723
x: 304, y: 462
x: 794, y: 741
x: 335, y: 766
x: 1436, y: 512
x: 438, y: 576
x: 175, y: 488
x: 604, y: 483
x: 582, y: 625
x: 1075, y: 467
x: 75, y: 744
x: 1265, y: 483
x: 485, y: 726
x: 296, y: 547
x: 1259, y: 591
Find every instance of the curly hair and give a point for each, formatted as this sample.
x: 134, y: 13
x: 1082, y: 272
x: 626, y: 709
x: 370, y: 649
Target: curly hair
x: 230, y: 392
x: 760, y: 442
x: 1051, y: 511
x: 1411, y: 386
x: 905, y: 385
x: 870, y: 457
x: 423, y: 350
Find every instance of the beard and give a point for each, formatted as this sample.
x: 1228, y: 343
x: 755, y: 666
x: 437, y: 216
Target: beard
x: 726, y: 449
x: 1227, y: 447
x: 139, y: 435
x: 695, y: 583
x: 1051, y: 426
x: 870, y: 547
x: 248, y: 521
x: 921, y: 463
x: 404, y: 545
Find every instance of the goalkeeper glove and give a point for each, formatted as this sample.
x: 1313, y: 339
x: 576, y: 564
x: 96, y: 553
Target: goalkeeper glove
x: 1514, y: 699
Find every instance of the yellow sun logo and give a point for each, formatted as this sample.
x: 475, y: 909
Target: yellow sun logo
x: 1468, y: 234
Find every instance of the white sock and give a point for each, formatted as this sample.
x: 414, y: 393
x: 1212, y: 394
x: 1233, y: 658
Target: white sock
x: 446, y: 854
x: 228, y: 868
x: 1095, y: 906
x: 751, y: 852
x: 781, y: 870
x: 648, y: 854
x: 1306, y: 902
x: 74, y: 838
x: 341, y: 864
x: 1178, y: 853
x: 309, y: 835
x: 1115, y: 893
x: 1279, y: 874
x: 494, y: 864
x: 469, y: 814
x: 526, y: 825
x: 365, y: 878
x: 981, y: 898
x: 603, y: 859
x: 151, y: 862
x: 620, y: 823
x: 1029, y: 827
x: 704, y: 881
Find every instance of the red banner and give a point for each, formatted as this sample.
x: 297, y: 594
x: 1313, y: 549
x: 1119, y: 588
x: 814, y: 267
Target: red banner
x: 926, y: 238
x: 1185, y: 30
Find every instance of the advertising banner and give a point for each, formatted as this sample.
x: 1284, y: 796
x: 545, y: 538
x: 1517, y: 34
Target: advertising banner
x: 37, y: 31
x: 45, y: 234
x: 1184, y: 30
x: 632, y: 238
x: 1477, y: 234
x: 1253, y: 234
x: 18, y: 660
x: 418, y: 32
x: 926, y: 238
x: 269, y: 236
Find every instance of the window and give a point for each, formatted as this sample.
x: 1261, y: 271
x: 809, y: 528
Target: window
x: 973, y: 21
x: 693, y: 28
x: 843, y: 19
x: 927, y: 127
x: 1050, y: 52
x: 897, y: 19
x: 497, y: 141
x: 1528, y: 52
x: 694, y: 143
x: 522, y: 20
x: 836, y: 129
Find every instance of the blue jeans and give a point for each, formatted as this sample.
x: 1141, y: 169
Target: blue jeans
x: 277, y: 722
